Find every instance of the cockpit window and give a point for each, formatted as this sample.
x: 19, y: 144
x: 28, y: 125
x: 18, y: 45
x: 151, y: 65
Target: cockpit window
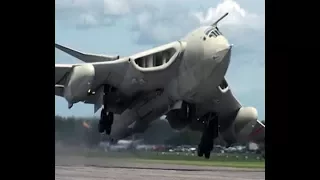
x: 207, y: 31
x: 213, y: 32
x: 217, y: 29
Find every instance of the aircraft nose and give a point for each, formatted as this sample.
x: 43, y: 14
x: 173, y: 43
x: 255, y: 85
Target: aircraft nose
x: 222, y: 53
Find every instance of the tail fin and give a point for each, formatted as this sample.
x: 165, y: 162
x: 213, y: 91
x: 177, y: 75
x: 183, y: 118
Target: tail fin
x: 87, y: 58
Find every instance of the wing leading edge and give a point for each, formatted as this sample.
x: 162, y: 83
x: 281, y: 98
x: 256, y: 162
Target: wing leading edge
x: 86, y: 57
x: 258, y: 132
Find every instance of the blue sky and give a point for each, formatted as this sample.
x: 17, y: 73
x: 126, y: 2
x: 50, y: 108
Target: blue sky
x: 124, y: 27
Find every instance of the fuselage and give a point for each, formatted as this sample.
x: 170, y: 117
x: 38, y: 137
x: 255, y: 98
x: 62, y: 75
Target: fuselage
x: 202, y: 68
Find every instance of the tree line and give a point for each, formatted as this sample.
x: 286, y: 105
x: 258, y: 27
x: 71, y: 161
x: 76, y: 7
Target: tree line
x: 84, y: 131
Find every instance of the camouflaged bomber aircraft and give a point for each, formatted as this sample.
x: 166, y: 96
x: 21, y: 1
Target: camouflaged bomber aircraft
x: 184, y: 80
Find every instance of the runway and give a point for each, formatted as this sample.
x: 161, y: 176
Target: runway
x: 68, y: 168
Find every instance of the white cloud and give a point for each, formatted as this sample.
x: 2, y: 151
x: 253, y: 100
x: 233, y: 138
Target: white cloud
x: 66, y: 4
x: 116, y: 7
x: 88, y: 19
x: 174, y: 20
x: 244, y: 29
x: 237, y: 15
x: 155, y: 21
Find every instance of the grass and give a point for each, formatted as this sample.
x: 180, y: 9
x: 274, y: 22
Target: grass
x: 224, y: 160
x: 235, y: 164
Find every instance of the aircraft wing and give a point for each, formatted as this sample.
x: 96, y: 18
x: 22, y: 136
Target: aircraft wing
x: 61, y: 72
x: 145, y: 71
x: 254, y: 130
x: 224, y: 102
x: 258, y: 132
x: 86, y: 57
x: 148, y: 69
x: 257, y: 135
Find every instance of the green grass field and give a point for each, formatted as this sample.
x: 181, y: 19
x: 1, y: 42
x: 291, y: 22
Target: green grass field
x: 237, y: 164
x: 225, y: 160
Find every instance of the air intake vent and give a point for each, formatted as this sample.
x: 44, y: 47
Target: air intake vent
x: 213, y: 32
x: 156, y: 59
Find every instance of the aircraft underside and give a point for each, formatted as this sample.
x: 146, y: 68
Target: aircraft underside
x: 151, y: 106
x: 208, y: 124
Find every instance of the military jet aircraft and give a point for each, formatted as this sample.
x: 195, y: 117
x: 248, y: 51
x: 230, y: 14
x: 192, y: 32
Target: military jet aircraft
x: 183, y: 80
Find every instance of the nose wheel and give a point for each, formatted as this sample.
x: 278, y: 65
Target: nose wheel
x: 106, y: 121
x: 209, y: 133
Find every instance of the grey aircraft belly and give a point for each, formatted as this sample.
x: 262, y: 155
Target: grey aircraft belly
x: 184, y: 80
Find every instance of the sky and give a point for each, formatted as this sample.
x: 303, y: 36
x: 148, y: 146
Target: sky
x: 125, y: 27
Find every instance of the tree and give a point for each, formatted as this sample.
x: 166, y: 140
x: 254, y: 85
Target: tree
x: 71, y: 131
x: 158, y: 132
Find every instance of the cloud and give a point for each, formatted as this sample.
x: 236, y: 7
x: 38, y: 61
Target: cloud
x: 116, y: 7
x: 95, y: 13
x: 162, y: 26
x: 244, y: 29
x: 237, y: 16
x: 155, y: 21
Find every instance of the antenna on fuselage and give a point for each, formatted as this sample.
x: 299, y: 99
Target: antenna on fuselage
x: 215, y: 23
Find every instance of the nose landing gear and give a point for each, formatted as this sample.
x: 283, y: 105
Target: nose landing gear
x: 209, y: 133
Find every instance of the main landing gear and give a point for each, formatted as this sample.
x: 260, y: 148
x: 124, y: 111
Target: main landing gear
x: 106, y: 118
x: 209, y: 133
x: 106, y: 121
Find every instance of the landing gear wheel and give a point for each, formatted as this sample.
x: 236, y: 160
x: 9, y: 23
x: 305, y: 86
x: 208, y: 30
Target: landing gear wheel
x: 102, y: 121
x: 209, y: 134
x: 112, y: 141
x: 205, y: 147
x: 199, y: 152
x: 100, y: 128
x: 109, y: 123
x: 207, y: 155
x: 106, y: 121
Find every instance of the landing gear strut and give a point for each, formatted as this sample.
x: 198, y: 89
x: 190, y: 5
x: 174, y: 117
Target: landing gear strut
x: 106, y: 118
x: 106, y: 121
x: 210, y: 132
